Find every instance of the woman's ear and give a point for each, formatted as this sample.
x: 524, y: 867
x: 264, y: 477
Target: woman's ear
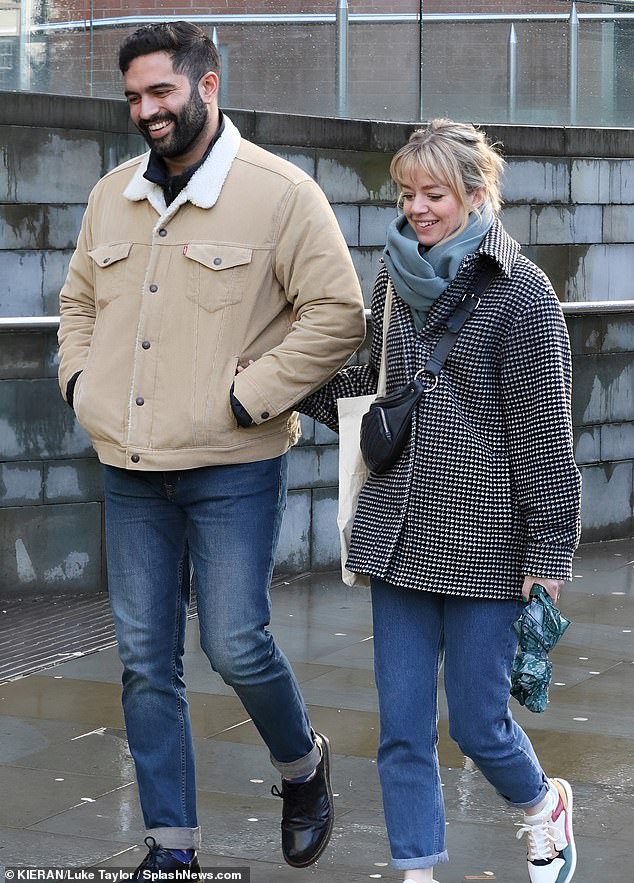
x: 478, y: 197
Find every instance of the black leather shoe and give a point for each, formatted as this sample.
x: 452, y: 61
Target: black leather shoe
x: 308, y: 813
x: 161, y: 861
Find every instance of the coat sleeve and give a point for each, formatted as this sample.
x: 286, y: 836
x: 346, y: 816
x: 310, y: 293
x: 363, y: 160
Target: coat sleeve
x: 77, y: 309
x: 353, y: 380
x: 313, y: 266
x: 536, y: 374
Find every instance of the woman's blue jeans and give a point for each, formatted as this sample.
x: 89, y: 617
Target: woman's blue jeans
x: 413, y: 632
x: 226, y: 521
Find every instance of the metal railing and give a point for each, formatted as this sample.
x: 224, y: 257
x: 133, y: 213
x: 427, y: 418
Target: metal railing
x: 594, y: 307
x: 342, y: 18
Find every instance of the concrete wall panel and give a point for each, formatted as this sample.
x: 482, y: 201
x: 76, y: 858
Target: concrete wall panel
x: 618, y: 223
x: 21, y: 484
x: 606, y: 512
x: 602, y: 181
x: 294, y: 550
x: 347, y: 176
x: 603, y: 389
x: 50, y: 549
x: 534, y: 181
x: 325, y: 537
x: 552, y: 225
x: 39, y: 165
x: 36, y: 423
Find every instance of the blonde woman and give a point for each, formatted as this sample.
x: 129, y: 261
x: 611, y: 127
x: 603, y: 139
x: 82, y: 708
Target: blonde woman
x: 483, y: 502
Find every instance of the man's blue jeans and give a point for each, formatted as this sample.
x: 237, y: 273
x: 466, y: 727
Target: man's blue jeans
x: 413, y: 632
x: 226, y: 521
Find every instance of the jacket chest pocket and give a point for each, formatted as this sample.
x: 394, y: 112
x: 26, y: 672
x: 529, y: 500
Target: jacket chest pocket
x: 110, y: 264
x: 217, y: 274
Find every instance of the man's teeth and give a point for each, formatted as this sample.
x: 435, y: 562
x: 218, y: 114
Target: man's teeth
x: 154, y: 127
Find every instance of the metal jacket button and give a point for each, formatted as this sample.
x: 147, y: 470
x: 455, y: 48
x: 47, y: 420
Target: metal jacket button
x: 265, y: 415
x: 146, y: 344
x: 217, y: 262
x: 162, y: 232
x: 135, y: 458
x: 140, y: 400
x: 153, y: 287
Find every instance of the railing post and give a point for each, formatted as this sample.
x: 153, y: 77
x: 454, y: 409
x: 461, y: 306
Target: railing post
x: 24, y: 60
x: 512, y: 74
x: 608, y: 72
x: 420, y: 63
x: 341, y: 58
x: 224, y: 73
x: 573, y: 55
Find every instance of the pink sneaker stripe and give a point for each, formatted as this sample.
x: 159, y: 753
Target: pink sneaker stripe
x: 558, y: 809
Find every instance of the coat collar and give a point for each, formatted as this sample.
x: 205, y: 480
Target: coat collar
x: 498, y: 245
x: 205, y: 185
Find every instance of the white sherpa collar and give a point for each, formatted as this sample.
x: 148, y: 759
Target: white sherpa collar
x: 204, y: 186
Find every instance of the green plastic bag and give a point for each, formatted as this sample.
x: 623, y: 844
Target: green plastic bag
x: 538, y: 629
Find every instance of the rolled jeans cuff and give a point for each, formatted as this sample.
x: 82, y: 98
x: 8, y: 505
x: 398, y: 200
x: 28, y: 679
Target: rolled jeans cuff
x: 176, y: 838
x: 304, y: 766
x: 415, y: 864
x: 546, y: 786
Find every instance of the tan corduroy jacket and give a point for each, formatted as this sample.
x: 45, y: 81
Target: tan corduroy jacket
x: 162, y: 303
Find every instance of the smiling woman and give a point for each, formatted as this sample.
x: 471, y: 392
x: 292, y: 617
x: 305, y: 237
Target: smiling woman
x: 482, y: 502
x: 432, y: 210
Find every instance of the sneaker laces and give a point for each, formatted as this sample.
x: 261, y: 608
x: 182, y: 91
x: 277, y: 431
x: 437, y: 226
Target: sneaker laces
x: 541, y: 840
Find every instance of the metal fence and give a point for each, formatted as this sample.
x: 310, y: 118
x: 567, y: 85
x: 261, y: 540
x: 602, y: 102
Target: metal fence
x: 598, y: 74
x: 14, y: 324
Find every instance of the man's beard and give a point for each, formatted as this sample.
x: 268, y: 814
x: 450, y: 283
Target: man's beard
x: 189, y: 122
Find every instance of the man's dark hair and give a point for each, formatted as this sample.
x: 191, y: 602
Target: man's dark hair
x: 192, y: 52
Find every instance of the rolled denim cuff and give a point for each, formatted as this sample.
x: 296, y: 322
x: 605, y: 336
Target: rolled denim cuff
x: 530, y: 803
x: 304, y: 766
x: 176, y: 838
x: 415, y: 864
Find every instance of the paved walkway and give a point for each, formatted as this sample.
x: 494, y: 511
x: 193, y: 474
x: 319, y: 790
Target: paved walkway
x: 66, y: 778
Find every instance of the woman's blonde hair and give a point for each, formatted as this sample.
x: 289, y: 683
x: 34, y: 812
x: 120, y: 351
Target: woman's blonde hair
x: 456, y: 155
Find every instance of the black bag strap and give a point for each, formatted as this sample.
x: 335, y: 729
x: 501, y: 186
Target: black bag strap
x: 466, y: 307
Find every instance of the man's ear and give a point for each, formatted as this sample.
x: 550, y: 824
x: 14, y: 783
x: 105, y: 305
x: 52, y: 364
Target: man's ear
x: 208, y: 86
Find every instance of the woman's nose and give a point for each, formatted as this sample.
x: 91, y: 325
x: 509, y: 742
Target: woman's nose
x: 420, y: 205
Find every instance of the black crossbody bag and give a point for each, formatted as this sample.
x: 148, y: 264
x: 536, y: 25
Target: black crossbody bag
x: 387, y: 425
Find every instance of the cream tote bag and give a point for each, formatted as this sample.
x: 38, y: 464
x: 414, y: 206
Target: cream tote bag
x: 353, y: 473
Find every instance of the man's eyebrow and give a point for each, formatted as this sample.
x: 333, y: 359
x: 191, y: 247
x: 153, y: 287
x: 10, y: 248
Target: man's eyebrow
x: 153, y: 88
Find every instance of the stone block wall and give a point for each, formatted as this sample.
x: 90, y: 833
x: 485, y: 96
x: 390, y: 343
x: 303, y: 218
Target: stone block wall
x: 570, y: 204
x: 603, y: 417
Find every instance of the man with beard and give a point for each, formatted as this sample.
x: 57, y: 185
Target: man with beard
x: 210, y: 291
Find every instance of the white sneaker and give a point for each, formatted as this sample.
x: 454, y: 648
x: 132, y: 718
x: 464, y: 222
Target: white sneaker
x: 552, y: 857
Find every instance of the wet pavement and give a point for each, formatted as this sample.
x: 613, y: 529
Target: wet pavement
x: 67, y: 783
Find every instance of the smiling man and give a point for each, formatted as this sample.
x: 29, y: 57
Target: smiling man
x: 210, y: 291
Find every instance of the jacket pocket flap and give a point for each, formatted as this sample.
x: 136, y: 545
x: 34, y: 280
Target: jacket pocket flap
x: 218, y: 257
x: 104, y: 255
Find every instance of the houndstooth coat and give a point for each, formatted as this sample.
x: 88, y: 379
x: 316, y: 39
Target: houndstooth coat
x: 487, y: 490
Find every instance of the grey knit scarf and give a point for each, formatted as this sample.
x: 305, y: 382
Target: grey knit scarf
x: 421, y: 275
